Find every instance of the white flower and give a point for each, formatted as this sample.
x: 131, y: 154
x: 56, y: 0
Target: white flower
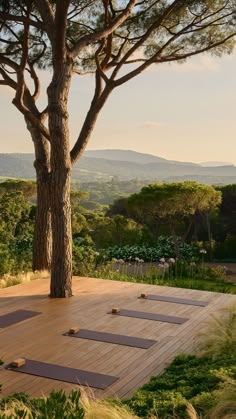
x: 202, y: 251
x: 97, y: 253
x: 192, y: 264
x: 162, y: 260
x: 172, y: 260
x: 166, y: 265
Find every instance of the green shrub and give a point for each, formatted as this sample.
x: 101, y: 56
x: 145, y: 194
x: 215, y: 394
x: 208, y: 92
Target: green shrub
x: 1, y: 364
x: 164, y: 248
x: 16, y: 256
x: 84, y: 258
x: 6, y: 259
x: 77, y: 405
x: 187, y: 378
x: 225, y: 406
x: 57, y: 405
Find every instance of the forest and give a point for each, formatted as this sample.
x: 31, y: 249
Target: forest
x: 118, y: 224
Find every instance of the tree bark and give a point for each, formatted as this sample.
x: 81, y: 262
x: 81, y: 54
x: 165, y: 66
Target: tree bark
x: 42, y: 242
x: 209, y: 235
x: 61, y: 266
x: 175, y: 240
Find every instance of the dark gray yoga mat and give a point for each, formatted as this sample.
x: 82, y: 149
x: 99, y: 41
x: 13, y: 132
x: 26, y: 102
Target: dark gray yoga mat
x: 113, y: 338
x: 175, y: 300
x: 70, y: 375
x: 16, y: 317
x: 150, y: 316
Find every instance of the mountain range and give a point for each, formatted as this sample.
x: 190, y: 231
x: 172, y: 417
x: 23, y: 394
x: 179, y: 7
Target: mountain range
x: 103, y: 165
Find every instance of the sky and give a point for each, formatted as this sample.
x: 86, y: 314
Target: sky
x: 183, y: 112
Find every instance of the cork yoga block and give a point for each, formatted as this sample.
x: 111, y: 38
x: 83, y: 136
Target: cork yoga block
x: 18, y: 362
x: 74, y: 330
x: 115, y: 310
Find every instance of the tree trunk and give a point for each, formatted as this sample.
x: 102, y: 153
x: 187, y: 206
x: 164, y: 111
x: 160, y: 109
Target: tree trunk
x: 209, y: 234
x: 176, y: 243
x: 42, y: 242
x: 61, y: 266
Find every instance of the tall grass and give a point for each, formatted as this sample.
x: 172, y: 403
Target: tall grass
x: 103, y: 409
x: 8, y: 280
x: 219, y: 337
x: 226, y: 406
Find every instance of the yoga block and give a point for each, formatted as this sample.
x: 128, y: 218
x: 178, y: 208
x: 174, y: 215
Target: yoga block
x: 115, y: 310
x: 143, y: 295
x: 18, y: 362
x: 74, y: 330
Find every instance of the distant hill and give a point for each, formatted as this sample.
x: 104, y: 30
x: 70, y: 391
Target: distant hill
x: 215, y: 164
x: 131, y: 156
x: 102, y: 165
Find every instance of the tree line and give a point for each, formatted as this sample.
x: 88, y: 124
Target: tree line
x: 188, y: 212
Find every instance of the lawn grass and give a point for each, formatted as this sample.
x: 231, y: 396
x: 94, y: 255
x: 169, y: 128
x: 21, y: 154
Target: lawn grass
x: 190, y: 283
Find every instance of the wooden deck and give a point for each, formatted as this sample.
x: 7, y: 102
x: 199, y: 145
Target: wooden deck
x: 41, y: 338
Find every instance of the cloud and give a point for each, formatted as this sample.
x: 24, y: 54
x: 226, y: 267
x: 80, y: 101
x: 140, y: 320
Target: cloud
x: 152, y: 124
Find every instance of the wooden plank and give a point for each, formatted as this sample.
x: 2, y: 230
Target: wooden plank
x: 88, y: 309
x: 16, y: 316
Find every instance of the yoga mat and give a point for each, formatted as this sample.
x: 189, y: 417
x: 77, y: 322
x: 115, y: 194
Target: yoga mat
x: 175, y: 300
x: 60, y: 373
x: 151, y: 316
x: 113, y: 338
x: 16, y: 317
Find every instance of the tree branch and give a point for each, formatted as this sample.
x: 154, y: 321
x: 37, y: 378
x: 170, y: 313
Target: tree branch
x: 21, y: 19
x: 138, y: 44
x: 47, y: 15
x: 105, y: 32
x: 89, y: 122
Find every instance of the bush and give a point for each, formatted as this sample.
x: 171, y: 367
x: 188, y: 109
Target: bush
x: 84, y: 258
x: 16, y: 256
x: 164, y: 248
x: 58, y: 405
x: 188, y: 379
